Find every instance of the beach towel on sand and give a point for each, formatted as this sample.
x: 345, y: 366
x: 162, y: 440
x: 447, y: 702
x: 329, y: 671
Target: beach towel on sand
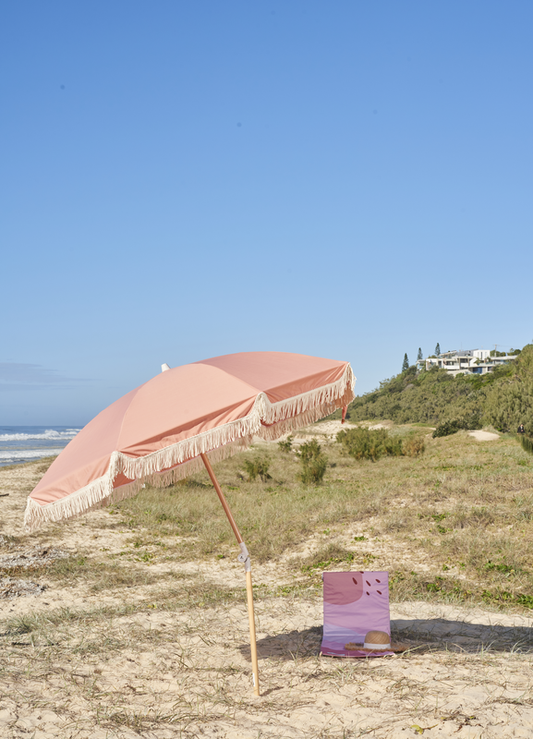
x: 356, y: 614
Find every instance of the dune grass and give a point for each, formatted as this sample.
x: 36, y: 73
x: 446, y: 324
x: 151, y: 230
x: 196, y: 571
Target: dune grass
x: 160, y: 647
x: 455, y: 522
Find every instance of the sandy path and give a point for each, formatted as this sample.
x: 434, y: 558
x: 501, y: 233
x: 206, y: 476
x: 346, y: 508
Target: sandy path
x: 129, y: 662
x: 484, y: 435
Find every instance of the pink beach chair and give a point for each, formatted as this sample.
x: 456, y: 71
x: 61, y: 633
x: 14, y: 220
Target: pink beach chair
x: 356, y: 614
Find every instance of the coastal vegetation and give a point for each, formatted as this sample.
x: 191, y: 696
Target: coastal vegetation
x: 142, y: 629
x: 313, y: 462
x: 363, y: 443
x: 502, y: 399
x: 463, y: 509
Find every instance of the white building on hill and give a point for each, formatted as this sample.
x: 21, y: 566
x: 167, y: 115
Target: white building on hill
x: 469, y: 361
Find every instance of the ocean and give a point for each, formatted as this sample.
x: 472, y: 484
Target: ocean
x: 20, y: 444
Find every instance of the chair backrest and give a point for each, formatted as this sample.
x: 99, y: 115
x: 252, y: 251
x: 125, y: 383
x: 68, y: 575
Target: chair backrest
x: 356, y: 614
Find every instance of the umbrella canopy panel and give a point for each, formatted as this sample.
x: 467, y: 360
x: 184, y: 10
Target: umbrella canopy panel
x: 158, y: 431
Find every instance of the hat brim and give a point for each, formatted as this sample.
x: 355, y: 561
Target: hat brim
x: 394, y: 647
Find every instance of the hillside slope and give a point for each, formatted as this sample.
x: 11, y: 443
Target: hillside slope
x: 503, y: 398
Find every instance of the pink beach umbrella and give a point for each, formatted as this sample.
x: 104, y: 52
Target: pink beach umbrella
x: 182, y: 420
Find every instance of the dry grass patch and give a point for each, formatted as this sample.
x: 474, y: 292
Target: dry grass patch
x: 143, y: 629
x: 454, y: 522
x: 462, y: 508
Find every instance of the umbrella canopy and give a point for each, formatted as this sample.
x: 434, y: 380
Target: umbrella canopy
x: 184, y: 419
x: 158, y: 432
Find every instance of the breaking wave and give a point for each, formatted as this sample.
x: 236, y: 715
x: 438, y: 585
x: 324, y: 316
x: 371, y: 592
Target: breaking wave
x: 12, y: 457
x: 48, y: 435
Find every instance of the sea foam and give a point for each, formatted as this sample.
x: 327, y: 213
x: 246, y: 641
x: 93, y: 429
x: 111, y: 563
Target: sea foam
x: 19, y: 456
x: 48, y: 435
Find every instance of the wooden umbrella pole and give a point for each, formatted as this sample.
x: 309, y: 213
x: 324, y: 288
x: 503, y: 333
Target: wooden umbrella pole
x: 245, y: 559
x: 223, y: 500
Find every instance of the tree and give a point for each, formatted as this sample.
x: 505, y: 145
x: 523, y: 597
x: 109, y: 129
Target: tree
x: 420, y: 356
x: 405, y: 365
x: 437, y: 349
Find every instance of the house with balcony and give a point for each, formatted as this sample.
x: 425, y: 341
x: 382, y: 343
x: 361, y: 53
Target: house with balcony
x: 468, y: 361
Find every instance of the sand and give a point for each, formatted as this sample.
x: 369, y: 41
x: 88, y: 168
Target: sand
x: 121, y: 663
x: 484, y: 435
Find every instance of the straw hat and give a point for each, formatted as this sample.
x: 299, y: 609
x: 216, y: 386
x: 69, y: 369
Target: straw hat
x: 376, y: 641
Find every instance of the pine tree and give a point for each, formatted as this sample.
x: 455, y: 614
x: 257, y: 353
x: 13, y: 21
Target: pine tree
x: 420, y: 356
x: 437, y: 349
x: 405, y: 365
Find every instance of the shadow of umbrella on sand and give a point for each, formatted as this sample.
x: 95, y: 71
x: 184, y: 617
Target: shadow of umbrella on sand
x: 182, y: 420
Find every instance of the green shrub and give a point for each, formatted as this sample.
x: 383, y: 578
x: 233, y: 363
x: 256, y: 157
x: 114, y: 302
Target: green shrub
x: 413, y: 446
x: 309, y: 450
x: 452, y: 427
x: 258, y: 466
x: 286, y: 445
x: 446, y: 429
x: 372, y: 444
x: 527, y: 443
x: 314, y: 463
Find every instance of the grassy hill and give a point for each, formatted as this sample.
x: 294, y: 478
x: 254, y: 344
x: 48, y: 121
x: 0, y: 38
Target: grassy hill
x: 503, y: 398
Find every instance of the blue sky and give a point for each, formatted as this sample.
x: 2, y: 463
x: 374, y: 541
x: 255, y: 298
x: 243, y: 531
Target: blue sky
x: 186, y: 179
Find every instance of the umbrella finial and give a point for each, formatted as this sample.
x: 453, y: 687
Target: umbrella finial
x: 164, y: 367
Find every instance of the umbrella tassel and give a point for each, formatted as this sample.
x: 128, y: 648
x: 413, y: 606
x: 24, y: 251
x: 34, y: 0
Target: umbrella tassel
x: 177, y: 461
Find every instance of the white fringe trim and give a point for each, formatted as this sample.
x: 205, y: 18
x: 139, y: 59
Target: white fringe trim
x: 325, y: 396
x: 178, y: 461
